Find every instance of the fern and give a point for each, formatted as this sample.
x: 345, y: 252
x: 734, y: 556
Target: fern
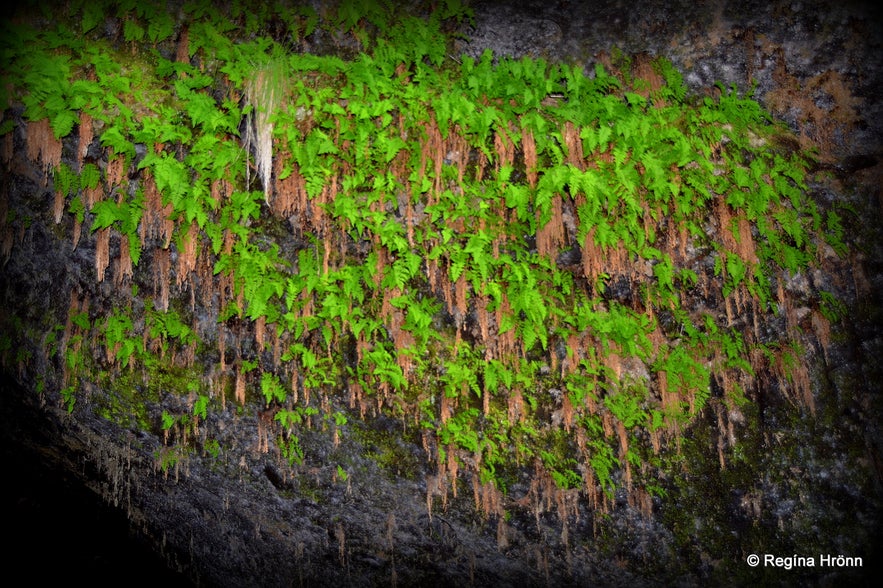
x: 395, y: 131
x: 272, y: 389
x: 626, y: 407
x: 119, y: 338
x: 160, y: 26
x: 603, y: 464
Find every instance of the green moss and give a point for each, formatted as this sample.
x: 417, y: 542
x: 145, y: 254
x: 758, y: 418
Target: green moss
x: 390, y: 450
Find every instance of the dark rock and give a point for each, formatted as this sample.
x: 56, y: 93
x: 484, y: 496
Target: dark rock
x: 237, y: 519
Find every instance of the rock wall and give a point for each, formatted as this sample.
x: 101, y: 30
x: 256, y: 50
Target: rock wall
x: 805, y: 486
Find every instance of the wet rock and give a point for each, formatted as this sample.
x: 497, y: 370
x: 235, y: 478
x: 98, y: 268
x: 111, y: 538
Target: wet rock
x: 794, y: 480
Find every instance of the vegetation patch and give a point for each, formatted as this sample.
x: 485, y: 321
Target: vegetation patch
x: 515, y: 259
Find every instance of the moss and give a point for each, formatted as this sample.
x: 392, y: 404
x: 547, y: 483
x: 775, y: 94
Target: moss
x: 389, y: 448
x: 758, y: 503
x: 122, y: 404
x: 308, y: 487
x: 131, y: 391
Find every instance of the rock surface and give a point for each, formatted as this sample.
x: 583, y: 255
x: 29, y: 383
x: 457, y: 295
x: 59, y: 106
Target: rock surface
x: 239, y: 521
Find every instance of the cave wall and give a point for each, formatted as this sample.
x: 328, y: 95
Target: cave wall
x: 806, y: 482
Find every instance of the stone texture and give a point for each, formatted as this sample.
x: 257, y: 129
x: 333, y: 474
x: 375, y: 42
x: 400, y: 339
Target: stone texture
x: 239, y: 522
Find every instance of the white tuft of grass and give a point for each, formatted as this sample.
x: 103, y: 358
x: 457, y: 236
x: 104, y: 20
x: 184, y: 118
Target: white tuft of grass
x: 264, y: 93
